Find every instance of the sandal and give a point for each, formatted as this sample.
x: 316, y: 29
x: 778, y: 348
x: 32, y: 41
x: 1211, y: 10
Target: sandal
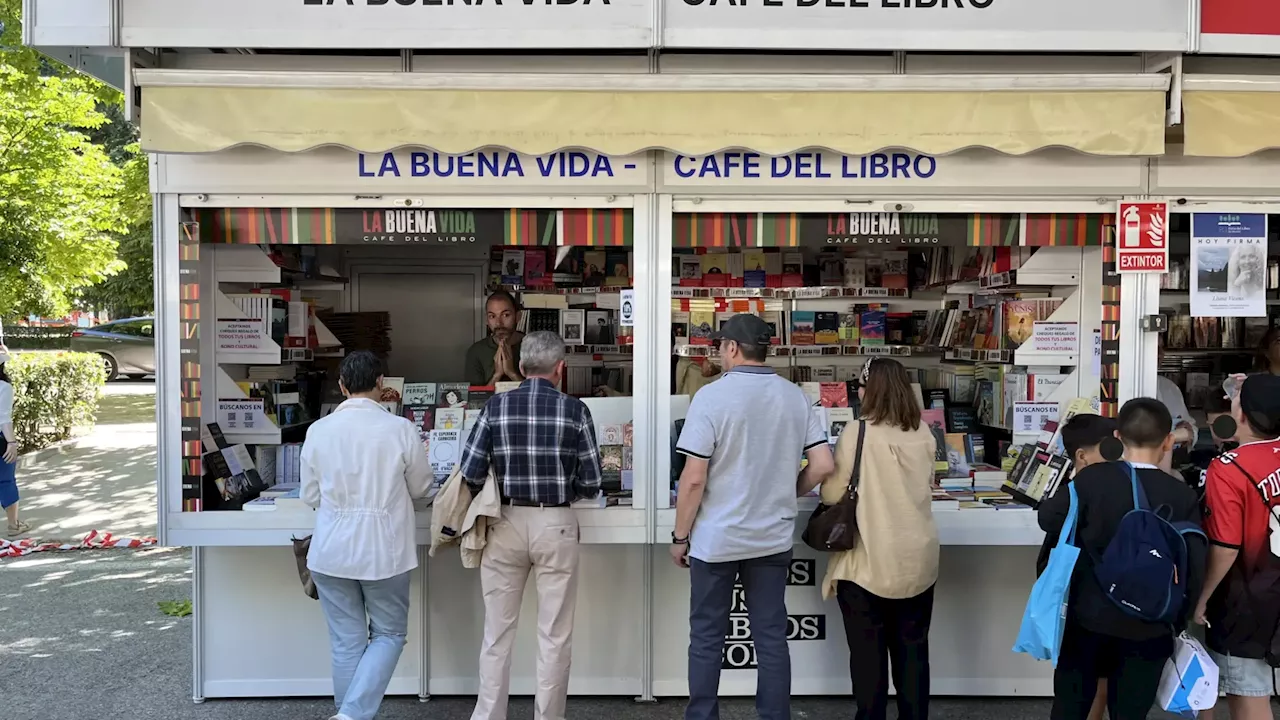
x: 21, y: 528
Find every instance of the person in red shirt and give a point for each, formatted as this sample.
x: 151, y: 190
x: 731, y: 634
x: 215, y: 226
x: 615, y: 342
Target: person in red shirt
x: 1240, y: 602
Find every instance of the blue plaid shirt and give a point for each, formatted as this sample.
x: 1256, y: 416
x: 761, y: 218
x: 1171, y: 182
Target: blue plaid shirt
x: 540, y: 442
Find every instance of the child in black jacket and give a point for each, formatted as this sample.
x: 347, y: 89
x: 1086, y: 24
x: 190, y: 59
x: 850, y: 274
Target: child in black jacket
x: 1101, y: 640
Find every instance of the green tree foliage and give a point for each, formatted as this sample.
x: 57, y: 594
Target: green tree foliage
x: 60, y: 194
x: 130, y: 291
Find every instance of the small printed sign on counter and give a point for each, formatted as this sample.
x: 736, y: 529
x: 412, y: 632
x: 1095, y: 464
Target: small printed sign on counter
x: 1030, y: 417
x: 627, y: 313
x: 243, y: 415
x: 1055, y: 337
x: 241, y: 336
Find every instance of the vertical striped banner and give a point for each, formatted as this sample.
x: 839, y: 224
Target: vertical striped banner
x: 1058, y: 229
x: 595, y: 228
x: 779, y: 230
x: 520, y: 227
x: 990, y: 230
x: 715, y: 229
x: 267, y: 226
x: 189, y: 350
x: 1109, y: 387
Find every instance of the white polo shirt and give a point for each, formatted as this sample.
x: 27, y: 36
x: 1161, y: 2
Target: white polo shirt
x: 754, y: 428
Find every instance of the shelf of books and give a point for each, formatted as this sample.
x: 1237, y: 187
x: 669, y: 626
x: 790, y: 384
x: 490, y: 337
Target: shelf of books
x: 287, y: 314
x: 986, y: 320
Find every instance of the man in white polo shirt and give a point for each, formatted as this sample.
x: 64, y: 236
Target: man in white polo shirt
x: 744, y: 439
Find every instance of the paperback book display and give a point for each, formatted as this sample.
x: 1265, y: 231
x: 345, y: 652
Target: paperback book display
x: 954, y: 315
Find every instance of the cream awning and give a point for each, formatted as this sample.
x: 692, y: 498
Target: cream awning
x: 203, y: 111
x: 1230, y: 115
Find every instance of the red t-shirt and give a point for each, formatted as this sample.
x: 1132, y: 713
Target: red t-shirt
x: 1236, y: 516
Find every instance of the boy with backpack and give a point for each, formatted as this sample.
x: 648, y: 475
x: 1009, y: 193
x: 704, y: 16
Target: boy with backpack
x: 1139, y: 572
x: 1240, y: 603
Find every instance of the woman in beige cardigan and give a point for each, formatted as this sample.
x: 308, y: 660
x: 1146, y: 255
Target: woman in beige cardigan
x: 885, y: 584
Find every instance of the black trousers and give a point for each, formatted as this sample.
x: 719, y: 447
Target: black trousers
x: 886, y: 634
x: 1131, y: 667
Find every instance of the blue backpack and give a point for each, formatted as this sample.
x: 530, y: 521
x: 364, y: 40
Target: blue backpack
x: 1144, y: 568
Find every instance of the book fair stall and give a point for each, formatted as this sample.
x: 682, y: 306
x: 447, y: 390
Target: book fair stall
x: 985, y: 266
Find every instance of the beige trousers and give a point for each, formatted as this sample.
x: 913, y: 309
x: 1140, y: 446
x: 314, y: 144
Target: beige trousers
x: 544, y: 540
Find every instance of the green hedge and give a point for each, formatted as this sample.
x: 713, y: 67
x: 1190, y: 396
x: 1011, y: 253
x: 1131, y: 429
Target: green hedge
x: 53, y: 393
x: 19, y: 337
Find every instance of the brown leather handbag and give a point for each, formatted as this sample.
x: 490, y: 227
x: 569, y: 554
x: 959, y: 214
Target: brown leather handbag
x: 834, y: 528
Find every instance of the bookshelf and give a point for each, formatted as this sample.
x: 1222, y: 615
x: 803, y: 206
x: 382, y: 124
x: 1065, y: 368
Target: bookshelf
x: 943, y: 306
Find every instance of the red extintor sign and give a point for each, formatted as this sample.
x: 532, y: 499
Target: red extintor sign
x: 1142, y: 237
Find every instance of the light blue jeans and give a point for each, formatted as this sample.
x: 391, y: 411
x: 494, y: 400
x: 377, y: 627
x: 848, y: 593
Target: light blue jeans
x: 368, y: 620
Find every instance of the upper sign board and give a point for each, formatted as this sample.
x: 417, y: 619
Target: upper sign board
x: 1240, y: 27
x: 928, y: 25
x: 916, y: 25
x: 395, y: 24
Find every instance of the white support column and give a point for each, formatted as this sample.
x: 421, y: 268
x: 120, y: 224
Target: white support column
x: 165, y: 252
x: 1139, y: 297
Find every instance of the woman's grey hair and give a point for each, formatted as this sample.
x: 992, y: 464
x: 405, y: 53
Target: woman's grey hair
x: 540, y: 352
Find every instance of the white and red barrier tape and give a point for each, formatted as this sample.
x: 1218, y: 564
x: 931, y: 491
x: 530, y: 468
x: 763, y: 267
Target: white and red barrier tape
x: 93, y: 541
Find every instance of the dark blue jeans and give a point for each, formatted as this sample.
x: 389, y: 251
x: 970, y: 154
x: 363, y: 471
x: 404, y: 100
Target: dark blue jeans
x: 764, y: 585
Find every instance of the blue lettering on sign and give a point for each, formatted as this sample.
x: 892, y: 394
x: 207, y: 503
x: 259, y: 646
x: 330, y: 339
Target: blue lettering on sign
x: 807, y: 166
x: 486, y: 164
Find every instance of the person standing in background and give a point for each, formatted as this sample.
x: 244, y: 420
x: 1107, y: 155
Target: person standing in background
x: 1240, y: 603
x: 362, y: 468
x: 496, y: 358
x: 743, y: 441
x: 1267, y: 359
x: 541, y: 446
x: 885, y: 583
x: 9, y: 454
x: 1184, y: 425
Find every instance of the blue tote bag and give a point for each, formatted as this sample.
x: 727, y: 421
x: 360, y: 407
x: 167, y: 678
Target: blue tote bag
x: 1046, y: 613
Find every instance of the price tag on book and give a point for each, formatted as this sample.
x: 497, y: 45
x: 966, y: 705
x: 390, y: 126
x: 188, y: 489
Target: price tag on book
x: 1030, y: 417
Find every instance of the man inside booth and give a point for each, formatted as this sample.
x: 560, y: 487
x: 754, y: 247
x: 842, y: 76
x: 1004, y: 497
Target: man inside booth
x: 497, y: 357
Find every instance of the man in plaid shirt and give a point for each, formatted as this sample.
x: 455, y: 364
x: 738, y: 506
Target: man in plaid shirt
x: 541, y: 446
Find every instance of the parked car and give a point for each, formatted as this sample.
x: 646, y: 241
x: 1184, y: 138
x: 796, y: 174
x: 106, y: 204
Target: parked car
x: 127, y: 347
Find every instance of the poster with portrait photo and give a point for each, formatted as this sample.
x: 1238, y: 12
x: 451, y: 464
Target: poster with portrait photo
x: 1228, y: 265
x: 600, y: 328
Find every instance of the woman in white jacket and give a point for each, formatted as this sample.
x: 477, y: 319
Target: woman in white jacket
x: 362, y: 468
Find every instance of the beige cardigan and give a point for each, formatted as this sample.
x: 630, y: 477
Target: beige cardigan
x: 896, y: 555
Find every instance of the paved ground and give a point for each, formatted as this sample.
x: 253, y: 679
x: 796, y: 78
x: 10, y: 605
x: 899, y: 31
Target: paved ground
x: 82, y: 638
x: 104, y: 480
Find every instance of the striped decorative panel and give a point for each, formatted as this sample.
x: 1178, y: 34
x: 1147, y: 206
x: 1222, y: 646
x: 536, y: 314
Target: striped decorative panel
x: 714, y: 229
x: 1079, y: 230
x: 779, y: 230
x: 987, y: 230
x: 1111, y: 298
x: 520, y: 227
x: 189, y: 350
x: 608, y: 228
x: 267, y: 226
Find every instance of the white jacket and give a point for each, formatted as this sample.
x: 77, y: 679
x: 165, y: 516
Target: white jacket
x: 458, y: 517
x: 362, y: 468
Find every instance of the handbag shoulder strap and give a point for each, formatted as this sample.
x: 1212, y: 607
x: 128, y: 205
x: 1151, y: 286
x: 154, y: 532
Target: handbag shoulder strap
x: 856, y: 474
